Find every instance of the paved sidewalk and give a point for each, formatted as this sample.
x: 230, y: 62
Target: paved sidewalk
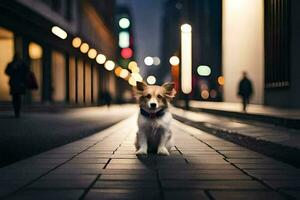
x: 40, y: 130
x: 257, y: 130
x: 104, y: 166
x: 251, y: 109
x: 289, y: 118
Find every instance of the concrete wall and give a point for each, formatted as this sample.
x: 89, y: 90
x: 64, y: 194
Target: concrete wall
x: 243, y: 46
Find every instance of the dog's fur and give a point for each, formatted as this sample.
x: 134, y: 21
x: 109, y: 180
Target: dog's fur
x: 154, y: 134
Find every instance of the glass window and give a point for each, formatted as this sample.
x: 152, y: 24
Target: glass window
x: 6, y: 56
x: 88, y: 84
x: 95, y: 83
x: 80, y: 81
x: 35, y: 52
x: 72, y: 80
x: 58, y: 77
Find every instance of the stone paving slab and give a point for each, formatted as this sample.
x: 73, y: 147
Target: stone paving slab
x: 104, y: 166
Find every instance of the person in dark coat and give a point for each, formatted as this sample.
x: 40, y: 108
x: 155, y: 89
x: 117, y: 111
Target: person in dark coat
x: 17, y: 71
x: 245, y: 90
x: 107, y: 98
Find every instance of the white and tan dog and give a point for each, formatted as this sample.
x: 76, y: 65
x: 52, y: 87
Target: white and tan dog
x: 154, y: 134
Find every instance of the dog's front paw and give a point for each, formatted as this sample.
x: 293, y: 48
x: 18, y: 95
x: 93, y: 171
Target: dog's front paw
x: 163, y: 151
x: 141, y: 152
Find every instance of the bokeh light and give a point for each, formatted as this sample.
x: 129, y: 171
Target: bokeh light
x: 100, y: 59
x: 92, y: 53
x: 151, y: 80
x: 76, y: 42
x: 118, y: 71
x: 221, y: 80
x: 205, y: 94
x: 137, y: 77
x: 156, y: 61
x: 174, y: 60
x: 84, y: 48
x: 124, y: 73
x: 148, y: 61
x: 131, y: 81
x: 109, y: 65
x: 204, y: 70
x: 126, y: 53
x: 124, y: 23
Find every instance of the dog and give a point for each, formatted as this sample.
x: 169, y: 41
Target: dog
x: 154, y: 119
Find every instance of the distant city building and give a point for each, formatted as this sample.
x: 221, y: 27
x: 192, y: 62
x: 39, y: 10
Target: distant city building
x: 68, y: 70
x: 205, y: 18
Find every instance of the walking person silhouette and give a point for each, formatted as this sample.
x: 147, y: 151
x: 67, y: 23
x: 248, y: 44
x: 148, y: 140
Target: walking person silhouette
x: 245, y: 90
x: 17, y: 71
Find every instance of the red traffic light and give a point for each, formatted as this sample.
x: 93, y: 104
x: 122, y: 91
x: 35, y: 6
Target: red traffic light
x: 126, y: 53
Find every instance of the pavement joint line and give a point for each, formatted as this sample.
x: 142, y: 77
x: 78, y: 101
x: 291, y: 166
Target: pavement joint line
x: 46, y: 173
x: 86, y: 191
x: 247, y: 141
x: 243, y: 171
x: 161, y: 191
x: 261, y: 181
x: 104, y: 167
x: 206, y: 192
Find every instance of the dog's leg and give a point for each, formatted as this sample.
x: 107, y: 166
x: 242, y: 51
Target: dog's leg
x: 142, y: 144
x: 164, y: 138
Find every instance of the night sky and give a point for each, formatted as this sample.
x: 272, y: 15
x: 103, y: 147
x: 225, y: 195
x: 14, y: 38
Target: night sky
x: 147, y: 15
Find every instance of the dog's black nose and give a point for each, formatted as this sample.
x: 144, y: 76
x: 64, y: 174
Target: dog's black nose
x: 153, y: 105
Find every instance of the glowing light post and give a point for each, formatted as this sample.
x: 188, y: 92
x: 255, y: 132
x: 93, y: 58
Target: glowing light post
x: 186, y: 61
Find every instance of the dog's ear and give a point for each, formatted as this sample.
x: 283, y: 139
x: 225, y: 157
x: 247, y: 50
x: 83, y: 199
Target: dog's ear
x: 138, y: 90
x: 141, y: 86
x: 170, y: 92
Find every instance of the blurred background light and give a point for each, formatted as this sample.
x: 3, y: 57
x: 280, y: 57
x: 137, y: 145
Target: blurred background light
x: 131, y: 81
x: 84, y: 48
x: 100, y: 59
x: 124, y: 39
x: 118, y: 71
x: 186, y: 28
x: 148, y: 61
x: 213, y: 94
x: 124, y: 23
x: 76, y: 42
x: 221, y: 80
x: 137, y: 77
x: 109, y: 65
x: 59, y: 32
x: 205, y: 94
x: 174, y: 60
x: 204, y: 70
x: 35, y: 51
x: 156, y: 61
x: 135, y: 70
x: 186, y: 58
x: 151, y: 80
x: 132, y: 65
x: 92, y: 53
x: 126, y: 53
x: 124, y: 73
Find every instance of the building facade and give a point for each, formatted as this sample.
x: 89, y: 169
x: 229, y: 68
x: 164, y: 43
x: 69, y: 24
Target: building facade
x: 205, y: 18
x: 262, y: 38
x: 64, y: 73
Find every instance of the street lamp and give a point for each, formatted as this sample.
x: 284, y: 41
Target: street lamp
x: 186, y: 58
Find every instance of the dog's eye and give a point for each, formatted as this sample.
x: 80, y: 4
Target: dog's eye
x: 159, y: 96
x: 148, y: 96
